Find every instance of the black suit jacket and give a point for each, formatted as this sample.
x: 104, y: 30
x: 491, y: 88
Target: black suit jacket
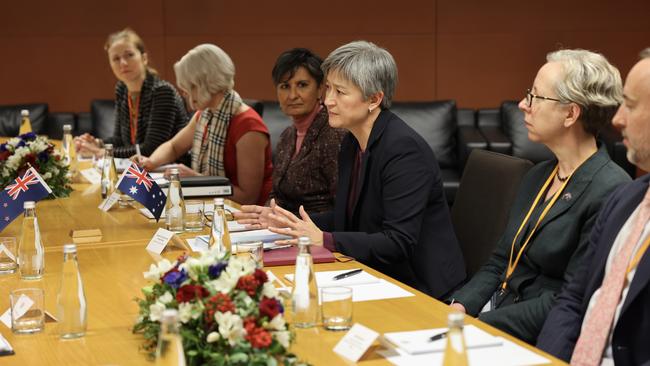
x: 401, y: 224
x: 554, y: 251
x: 631, y: 337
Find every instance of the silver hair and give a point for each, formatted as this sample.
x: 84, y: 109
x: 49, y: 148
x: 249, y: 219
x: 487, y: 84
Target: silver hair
x: 645, y: 53
x: 592, y: 83
x: 368, y: 66
x: 206, y: 67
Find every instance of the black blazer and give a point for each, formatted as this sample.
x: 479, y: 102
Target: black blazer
x: 631, y: 337
x: 554, y: 252
x: 401, y: 224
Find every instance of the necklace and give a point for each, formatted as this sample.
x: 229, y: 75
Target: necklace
x: 561, y: 179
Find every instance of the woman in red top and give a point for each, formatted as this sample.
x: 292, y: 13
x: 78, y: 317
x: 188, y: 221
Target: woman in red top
x: 226, y: 137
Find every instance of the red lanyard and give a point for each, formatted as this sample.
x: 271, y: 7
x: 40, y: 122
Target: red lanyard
x: 133, y: 116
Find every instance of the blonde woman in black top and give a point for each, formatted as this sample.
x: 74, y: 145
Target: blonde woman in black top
x: 149, y: 111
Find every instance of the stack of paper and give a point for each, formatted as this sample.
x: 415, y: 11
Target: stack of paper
x: 417, y: 342
x: 263, y: 235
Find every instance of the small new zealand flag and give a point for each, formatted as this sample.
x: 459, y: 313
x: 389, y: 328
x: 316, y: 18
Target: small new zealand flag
x: 138, y: 184
x: 29, y: 187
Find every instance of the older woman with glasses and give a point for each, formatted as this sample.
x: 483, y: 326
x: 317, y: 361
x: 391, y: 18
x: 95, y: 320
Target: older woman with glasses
x: 390, y: 212
x: 574, y: 95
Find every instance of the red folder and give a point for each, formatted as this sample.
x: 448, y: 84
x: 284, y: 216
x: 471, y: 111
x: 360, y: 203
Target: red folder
x: 287, y: 256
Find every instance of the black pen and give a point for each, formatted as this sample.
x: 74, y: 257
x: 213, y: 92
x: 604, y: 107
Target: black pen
x: 347, y: 274
x: 438, y: 337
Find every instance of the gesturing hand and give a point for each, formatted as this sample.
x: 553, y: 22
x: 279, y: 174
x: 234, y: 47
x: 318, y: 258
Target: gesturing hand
x: 291, y: 225
x: 256, y: 217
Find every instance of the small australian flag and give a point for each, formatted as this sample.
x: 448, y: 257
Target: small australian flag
x: 29, y: 187
x: 138, y: 184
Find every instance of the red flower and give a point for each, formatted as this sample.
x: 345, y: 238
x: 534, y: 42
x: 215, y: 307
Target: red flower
x: 218, y: 303
x: 270, y: 307
x: 249, y: 284
x: 250, y: 324
x: 260, y: 276
x: 190, y: 292
x: 30, y: 158
x: 4, y: 155
x: 259, y: 338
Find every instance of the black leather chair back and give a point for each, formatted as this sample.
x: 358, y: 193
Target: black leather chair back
x: 102, y: 114
x: 436, y: 123
x: 56, y: 121
x: 512, y: 121
x: 276, y: 121
x: 10, y: 118
x: 256, y: 105
x: 480, y: 211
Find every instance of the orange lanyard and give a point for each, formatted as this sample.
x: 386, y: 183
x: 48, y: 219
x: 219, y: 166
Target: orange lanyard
x: 513, y: 264
x: 133, y: 116
x: 637, y: 257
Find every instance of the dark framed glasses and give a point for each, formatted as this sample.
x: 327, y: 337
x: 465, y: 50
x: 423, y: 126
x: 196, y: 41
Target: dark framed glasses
x: 530, y: 96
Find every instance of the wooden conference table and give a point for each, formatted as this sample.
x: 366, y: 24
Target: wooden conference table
x: 112, y: 269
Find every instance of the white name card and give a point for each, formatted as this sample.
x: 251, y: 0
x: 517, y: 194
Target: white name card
x: 200, y: 243
x: 7, y: 252
x: 159, y: 241
x: 91, y: 175
x: 355, y: 342
x: 22, y: 305
x: 109, y: 202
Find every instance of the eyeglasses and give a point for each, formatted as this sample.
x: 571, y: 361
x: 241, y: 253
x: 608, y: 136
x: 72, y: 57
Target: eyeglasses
x: 530, y: 96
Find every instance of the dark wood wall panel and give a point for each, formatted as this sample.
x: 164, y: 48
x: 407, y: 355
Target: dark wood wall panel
x: 478, y: 53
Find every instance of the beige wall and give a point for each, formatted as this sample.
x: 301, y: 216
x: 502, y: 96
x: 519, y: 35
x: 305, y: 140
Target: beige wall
x: 476, y: 52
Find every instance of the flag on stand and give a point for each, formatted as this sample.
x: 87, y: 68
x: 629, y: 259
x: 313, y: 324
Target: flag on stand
x: 138, y: 184
x: 29, y: 187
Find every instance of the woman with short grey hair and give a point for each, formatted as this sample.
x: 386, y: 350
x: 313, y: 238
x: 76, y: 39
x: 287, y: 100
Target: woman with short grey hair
x: 574, y: 95
x: 226, y: 137
x: 390, y: 211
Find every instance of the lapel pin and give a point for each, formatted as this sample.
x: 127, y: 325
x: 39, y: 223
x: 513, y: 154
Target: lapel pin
x: 567, y: 196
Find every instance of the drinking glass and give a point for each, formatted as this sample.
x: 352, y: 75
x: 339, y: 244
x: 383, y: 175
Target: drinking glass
x: 336, y: 308
x: 253, y: 250
x: 8, y: 254
x: 194, y: 215
x: 27, y: 312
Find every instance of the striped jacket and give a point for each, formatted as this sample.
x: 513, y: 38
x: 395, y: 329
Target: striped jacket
x: 161, y: 115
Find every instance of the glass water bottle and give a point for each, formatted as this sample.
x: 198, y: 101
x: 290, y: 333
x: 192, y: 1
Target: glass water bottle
x: 69, y: 153
x: 175, y: 206
x: 170, y: 345
x: 109, y: 172
x: 71, y: 301
x: 304, y: 297
x: 456, y: 352
x: 219, y: 235
x: 25, y: 123
x: 31, y: 256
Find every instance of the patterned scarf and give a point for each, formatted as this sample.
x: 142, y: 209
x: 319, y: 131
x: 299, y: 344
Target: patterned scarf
x: 211, y: 134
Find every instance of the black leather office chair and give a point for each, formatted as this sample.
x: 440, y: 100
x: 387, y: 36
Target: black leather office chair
x: 102, y: 115
x: 257, y: 105
x: 480, y: 211
x: 10, y: 118
x: 276, y: 121
x: 437, y: 122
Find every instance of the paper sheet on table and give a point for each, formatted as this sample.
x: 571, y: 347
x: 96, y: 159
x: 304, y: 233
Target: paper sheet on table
x: 121, y: 164
x: 508, y: 354
x: 365, y: 288
x: 417, y: 342
x: 263, y: 235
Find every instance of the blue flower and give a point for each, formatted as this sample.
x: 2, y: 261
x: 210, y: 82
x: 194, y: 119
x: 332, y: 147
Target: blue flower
x: 3, y: 147
x: 43, y: 155
x: 215, y: 270
x: 175, y: 278
x: 21, y: 143
x: 28, y: 136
